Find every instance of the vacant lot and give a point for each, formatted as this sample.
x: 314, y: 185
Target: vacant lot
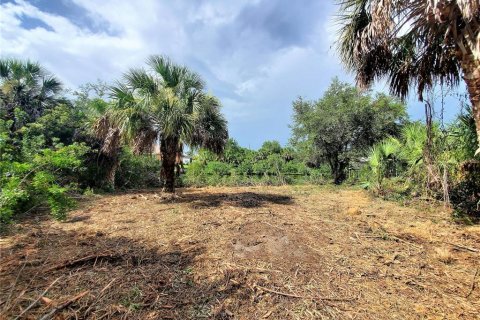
x: 243, y: 253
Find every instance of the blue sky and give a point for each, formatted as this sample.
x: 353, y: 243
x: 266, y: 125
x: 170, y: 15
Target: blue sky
x: 257, y: 56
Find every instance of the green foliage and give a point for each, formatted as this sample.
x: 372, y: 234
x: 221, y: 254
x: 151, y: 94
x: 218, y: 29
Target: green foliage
x: 168, y: 103
x: 464, y: 136
x: 26, y: 91
x: 48, y: 179
x: 269, y: 148
x: 343, y: 125
x: 6, y: 145
x: 51, y: 148
x: 382, y: 159
x: 400, y: 167
x: 270, y: 165
x: 11, y: 196
x: 465, y: 194
x: 58, y: 124
x: 138, y: 171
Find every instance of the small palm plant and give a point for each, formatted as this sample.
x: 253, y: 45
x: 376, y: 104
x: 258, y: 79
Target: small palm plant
x: 167, y: 104
x: 381, y: 157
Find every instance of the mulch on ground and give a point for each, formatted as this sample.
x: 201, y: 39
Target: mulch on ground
x: 300, y: 252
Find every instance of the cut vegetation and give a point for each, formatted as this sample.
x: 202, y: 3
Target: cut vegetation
x: 291, y: 252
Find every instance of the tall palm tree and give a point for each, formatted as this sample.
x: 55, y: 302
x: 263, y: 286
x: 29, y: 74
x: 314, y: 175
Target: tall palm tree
x: 413, y: 43
x: 167, y: 103
x: 27, y: 87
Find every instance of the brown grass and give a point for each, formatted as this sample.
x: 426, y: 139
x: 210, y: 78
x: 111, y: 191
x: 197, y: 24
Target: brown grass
x: 243, y: 253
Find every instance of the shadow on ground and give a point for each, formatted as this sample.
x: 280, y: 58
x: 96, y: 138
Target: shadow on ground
x: 120, y: 278
x: 237, y: 199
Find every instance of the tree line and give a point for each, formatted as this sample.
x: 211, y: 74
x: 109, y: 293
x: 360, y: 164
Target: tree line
x: 53, y: 147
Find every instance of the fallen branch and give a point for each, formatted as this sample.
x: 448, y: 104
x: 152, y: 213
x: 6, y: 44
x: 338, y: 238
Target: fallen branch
x: 405, y: 241
x: 38, y: 299
x: 392, y: 237
x: 462, y: 247
x: 473, y: 283
x: 64, y: 305
x: 15, y: 283
x: 68, y: 264
x: 98, y: 297
x: 304, y: 297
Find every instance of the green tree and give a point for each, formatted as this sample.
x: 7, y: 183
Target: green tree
x: 342, y: 125
x: 168, y: 104
x: 269, y: 148
x: 26, y: 91
x: 234, y: 153
x: 417, y: 43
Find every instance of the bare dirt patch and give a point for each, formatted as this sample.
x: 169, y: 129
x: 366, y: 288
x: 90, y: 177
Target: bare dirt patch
x: 242, y: 253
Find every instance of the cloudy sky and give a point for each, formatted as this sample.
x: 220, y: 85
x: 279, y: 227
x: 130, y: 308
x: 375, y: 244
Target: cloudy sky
x: 256, y: 55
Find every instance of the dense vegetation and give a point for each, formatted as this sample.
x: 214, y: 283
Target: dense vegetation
x: 413, y: 44
x: 339, y: 128
x: 363, y: 139
x: 54, y: 148
x: 271, y: 164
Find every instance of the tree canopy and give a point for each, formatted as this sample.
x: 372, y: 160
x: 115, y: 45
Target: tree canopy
x: 413, y: 44
x: 343, y: 124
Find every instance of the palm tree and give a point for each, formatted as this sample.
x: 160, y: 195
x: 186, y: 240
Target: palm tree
x: 106, y: 136
x: 167, y: 104
x: 28, y: 88
x: 381, y: 156
x: 413, y: 43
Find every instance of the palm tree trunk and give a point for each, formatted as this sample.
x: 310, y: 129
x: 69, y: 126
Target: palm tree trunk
x: 111, y: 173
x: 168, y: 150
x: 471, y: 75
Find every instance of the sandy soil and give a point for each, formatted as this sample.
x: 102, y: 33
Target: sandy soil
x: 242, y: 253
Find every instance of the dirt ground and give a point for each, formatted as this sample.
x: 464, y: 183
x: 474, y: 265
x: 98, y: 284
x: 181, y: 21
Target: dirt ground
x: 242, y: 253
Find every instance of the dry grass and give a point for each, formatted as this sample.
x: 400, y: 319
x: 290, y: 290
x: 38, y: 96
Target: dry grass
x: 444, y: 255
x: 244, y: 253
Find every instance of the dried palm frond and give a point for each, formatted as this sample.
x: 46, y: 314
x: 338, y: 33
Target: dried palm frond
x: 111, y: 142
x: 101, y: 127
x: 210, y: 129
x: 409, y: 42
x: 144, y: 141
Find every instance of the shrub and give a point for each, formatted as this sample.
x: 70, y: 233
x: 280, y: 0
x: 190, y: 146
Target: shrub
x: 465, y: 194
x: 138, y: 171
x: 49, y: 178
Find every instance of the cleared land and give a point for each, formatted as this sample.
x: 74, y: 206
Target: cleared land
x: 243, y: 253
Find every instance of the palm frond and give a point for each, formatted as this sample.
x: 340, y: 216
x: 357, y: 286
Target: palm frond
x: 417, y: 43
x: 210, y: 130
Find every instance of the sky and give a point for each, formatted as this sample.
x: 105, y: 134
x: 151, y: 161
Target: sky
x: 257, y: 56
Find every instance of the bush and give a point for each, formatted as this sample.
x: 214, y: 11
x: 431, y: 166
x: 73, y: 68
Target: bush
x: 465, y: 194
x: 138, y: 171
x: 48, y: 179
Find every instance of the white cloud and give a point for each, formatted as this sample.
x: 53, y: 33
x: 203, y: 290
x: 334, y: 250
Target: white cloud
x: 246, y: 50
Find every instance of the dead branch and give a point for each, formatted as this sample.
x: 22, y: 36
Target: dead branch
x: 38, y: 299
x: 250, y: 268
x: 68, y: 264
x: 64, y: 305
x: 462, y: 247
x: 473, y: 283
x: 15, y: 283
x: 304, y: 297
x: 99, y: 296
